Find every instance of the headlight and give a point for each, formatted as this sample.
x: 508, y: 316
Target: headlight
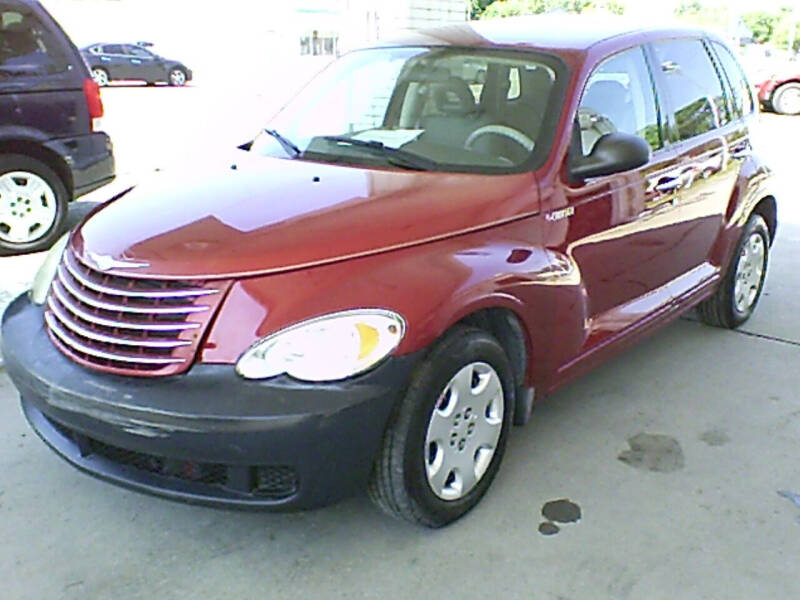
x: 327, y: 348
x: 47, y: 272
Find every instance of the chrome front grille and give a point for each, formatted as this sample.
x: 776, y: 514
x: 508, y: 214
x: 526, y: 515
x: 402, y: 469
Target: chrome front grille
x: 128, y: 325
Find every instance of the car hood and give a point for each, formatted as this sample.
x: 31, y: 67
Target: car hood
x: 263, y: 215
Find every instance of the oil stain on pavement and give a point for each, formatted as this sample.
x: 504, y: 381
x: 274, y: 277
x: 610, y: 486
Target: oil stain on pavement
x: 653, y: 452
x: 714, y: 437
x: 558, y: 511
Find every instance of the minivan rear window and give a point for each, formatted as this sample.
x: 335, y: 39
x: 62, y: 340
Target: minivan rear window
x: 27, y: 48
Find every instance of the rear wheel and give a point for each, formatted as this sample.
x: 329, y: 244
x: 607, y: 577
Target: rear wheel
x: 446, y: 440
x: 786, y: 99
x: 33, y: 204
x: 100, y: 76
x: 736, y: 299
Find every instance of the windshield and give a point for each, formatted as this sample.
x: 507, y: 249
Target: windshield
x: 448, y: 109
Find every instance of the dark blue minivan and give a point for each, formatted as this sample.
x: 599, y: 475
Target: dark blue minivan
x: 50, y: 149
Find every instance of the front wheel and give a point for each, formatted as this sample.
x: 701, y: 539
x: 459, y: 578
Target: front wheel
x: 447, y: 437
x: 735, y: 300
x: 33, y: 204
x: 177, y: 77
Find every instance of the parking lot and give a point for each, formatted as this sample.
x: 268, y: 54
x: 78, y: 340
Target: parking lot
x: 674, y: 453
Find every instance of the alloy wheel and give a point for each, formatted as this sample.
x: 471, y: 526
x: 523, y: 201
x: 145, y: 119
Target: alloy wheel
x: 177, y: 77
x: 749, y: 272
x: 100, y: 77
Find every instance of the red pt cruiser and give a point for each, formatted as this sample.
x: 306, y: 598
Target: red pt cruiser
x: 431, y: 237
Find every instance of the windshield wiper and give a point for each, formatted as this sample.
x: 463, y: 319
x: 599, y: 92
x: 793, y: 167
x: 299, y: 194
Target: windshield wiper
x: 395, y: 156
x: 285, y: 143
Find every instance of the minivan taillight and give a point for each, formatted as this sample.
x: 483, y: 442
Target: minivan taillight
x: 93, y: 100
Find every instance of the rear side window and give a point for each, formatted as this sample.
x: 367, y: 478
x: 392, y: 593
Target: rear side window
x: 113, y: 49
x: 619, y: 97
x: 27, y: 48
x: 140, y: 52
x: 693, y: 86
x: 741, y: 99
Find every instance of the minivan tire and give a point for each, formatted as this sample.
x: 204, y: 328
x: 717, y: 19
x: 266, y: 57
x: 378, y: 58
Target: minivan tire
x: 399, y: 483
x: 721, y: 310
x: 18, y: 162
x: 786, y: 99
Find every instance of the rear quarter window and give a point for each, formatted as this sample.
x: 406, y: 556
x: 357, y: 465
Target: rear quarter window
x: 741, y: 98
x: 27, y: 47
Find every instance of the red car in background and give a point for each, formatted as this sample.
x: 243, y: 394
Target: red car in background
x: 781, y: 92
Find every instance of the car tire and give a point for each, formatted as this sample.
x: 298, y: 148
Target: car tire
x: 177, y: 77
x: 738, y: 293
x: 100, y: 76
x: 786, y: 99
x: 416, y: 475
x: 21, y: 230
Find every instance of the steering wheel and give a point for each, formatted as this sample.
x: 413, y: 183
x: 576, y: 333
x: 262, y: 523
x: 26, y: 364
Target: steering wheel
x: 504, y: 130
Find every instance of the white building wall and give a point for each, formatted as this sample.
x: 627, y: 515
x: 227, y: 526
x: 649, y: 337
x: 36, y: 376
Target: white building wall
x: 369, y: 21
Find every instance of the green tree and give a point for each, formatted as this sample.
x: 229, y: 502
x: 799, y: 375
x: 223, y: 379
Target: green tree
x: 788, y: 22
x: 477, y: 7
x: 762, y: 24
x: 512, y: 8
x: 696, y: 12
x: 616, y: 8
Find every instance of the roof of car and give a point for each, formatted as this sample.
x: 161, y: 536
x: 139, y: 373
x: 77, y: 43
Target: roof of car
x: 558, y: 31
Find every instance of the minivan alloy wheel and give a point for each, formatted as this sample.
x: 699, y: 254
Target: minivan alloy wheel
x: 749, y: 272
x: 28, y: 207
x: 463, y: 431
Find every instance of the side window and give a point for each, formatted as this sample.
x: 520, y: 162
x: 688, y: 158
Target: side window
x: 693, y: 86
x: 138, y: 52
x: 27, y: 48
x: 113, y: 49
x: 742, y: 99
x: 619, y: 97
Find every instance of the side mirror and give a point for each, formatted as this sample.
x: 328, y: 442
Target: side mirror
x: 612, y: 153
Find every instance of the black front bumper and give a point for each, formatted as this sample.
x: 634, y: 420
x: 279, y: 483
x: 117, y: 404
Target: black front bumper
x: 207, y: 436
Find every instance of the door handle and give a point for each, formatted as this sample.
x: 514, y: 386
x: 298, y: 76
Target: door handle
x: 136, y: 62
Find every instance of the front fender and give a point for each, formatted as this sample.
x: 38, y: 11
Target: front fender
x: 433, y: 286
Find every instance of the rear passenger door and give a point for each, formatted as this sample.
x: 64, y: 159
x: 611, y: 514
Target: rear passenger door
x: 700, y: 127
